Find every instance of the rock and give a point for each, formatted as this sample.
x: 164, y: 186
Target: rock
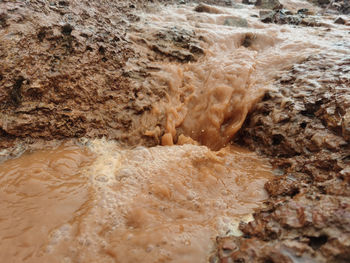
x: 346, y: 126
x: 269, y: 4
x: 310, y: 21
x: 16, y: 91
x: 203, y: 8
x: 283, y: 185
x: 303, y: 11
x: 279, y: 17
x: 175, y: 44
x: 63, y: 3
x: 3, y: 20
x: 288, y: 19
x: 340, y: 20
x: 67, y: 29
x: 345, y: 173
x: 345, y: 7
x: 236, y: 22
x: 267, y: 16
x: 249, y: 2
x: 286, y: 12
x: 339, y: 6
x: 323, y: 2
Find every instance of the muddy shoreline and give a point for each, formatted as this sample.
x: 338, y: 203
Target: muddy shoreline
x: 308, y: 213
x: 68, y: 71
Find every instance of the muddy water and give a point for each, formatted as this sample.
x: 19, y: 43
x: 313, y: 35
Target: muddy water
x: 106, y: 204
x: 209, y: 99
x: 39, y: 193
x: 102, y: 203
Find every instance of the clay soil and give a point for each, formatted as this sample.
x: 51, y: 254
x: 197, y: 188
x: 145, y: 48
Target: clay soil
x: 67, y: 71
x: 305, y: 132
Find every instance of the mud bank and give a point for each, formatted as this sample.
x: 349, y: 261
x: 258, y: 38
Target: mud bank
x: 68, y: 70
x: 304, y: 129
x: 62, y: 72
x: 150, y: 73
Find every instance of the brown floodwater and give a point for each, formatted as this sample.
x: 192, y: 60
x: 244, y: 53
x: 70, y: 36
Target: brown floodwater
x: 40, y: 192
x: 101, y: 203
x: 209, y: 99
x: 104, y: 203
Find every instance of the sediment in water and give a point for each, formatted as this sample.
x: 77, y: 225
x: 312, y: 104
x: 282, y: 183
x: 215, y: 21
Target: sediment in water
x: 102, y: 203
x: 139, y: 79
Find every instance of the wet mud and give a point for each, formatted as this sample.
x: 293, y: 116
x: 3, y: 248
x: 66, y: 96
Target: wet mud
x: 197, y: 78
x: 63, y: 73
x: 303, y: 128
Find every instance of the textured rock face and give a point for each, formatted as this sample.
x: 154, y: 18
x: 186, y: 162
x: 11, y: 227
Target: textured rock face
x: 303, y: 129
x: 342, y: 6
x: 62, y: 72
x: 68, y: 70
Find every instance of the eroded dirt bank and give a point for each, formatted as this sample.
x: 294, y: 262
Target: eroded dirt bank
x: 63, y: 72
x: 141, y: 72
x: 304, y: 129
x: 68, y: 70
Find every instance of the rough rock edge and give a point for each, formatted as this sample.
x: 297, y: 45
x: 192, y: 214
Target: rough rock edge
x: 304, y: 130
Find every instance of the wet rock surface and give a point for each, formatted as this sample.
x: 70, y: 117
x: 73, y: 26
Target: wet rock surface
x: 170, y: 44
x: 302, y: 127
x: 62, y: 72
x: 342, y: 6
x: 268, y: 4
x: 301, y: 17
x: 280, y: 17
x: 68, y: 70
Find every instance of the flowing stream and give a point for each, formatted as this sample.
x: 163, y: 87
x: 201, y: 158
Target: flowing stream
x: 100, y: 202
